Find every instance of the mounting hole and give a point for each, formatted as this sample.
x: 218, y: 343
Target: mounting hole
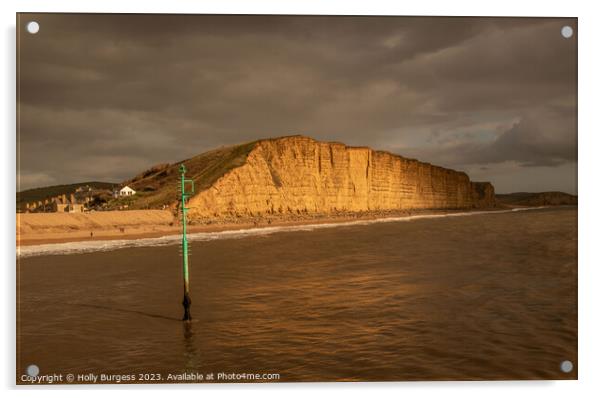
x: 566, y: 32
x: 33, y: 370
x: 566, y: 366
x: 33, y: 27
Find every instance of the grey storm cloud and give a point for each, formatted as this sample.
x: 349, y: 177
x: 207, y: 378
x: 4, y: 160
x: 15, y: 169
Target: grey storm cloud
x: 103, y: 96
x: 536, y: 140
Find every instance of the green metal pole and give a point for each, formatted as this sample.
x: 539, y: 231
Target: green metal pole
x: 187, y: 301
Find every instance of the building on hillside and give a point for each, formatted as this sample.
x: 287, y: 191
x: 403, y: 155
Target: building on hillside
x: 76, y: 208
x: 60, y: 204
x: 60, y: 207
x: 83, y: 188
x: 125, y: 191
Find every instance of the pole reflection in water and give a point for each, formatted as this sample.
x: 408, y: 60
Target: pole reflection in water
x: 190, y: 351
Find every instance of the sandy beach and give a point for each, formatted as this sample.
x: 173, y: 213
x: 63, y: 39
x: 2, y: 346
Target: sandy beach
x: 48, y: 228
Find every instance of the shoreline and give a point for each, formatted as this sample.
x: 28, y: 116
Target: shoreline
x: 158, y: 231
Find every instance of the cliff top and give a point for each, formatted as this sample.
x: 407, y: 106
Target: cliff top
x: 301, y: 137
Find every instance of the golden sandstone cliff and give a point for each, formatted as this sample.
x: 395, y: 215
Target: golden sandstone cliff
x: 299, y: 175
x: 288, y: 179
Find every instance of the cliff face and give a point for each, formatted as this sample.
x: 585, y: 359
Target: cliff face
x: 300, y: 175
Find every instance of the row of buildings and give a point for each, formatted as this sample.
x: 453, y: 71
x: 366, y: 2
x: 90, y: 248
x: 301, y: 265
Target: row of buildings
x: 57, y: 204
x: 77, y: 202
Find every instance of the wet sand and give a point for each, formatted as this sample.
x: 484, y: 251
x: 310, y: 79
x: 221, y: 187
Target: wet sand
x: 485, y: 297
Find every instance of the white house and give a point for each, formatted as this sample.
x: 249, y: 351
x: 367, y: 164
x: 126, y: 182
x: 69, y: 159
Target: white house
x: 125, y: 191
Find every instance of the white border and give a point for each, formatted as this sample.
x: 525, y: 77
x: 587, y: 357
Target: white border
x: 590, y: 129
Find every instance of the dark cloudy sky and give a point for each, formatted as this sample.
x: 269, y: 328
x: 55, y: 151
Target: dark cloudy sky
x: 102, y: 97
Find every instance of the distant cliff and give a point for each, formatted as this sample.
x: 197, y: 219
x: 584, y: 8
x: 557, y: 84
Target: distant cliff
x: 299, y: 175
x: 537, y: 199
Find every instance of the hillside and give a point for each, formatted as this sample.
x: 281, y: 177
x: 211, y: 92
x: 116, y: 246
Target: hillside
x: 299, y: 175
x: 159, y: 185
x: 537, y: 199
x: 37, y: 194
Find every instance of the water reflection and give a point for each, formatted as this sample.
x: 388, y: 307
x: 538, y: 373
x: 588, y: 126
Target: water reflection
x: 192, y: 358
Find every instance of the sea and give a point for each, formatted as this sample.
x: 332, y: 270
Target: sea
x: 464, y: 296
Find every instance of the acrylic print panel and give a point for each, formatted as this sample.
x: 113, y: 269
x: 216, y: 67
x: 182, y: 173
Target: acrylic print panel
x: 210, y: 198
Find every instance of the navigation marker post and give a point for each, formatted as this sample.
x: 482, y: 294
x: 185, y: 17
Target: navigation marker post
x: 185, y: 195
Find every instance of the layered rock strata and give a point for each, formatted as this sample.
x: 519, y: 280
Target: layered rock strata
x: 303, y: 176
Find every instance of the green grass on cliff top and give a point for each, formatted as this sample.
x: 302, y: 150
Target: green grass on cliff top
x: 161, y: 187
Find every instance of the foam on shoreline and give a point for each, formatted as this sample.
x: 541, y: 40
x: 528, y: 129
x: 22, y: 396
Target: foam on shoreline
x: 108, y: 245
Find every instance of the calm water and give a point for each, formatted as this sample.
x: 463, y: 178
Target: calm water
x: 489, y: 296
